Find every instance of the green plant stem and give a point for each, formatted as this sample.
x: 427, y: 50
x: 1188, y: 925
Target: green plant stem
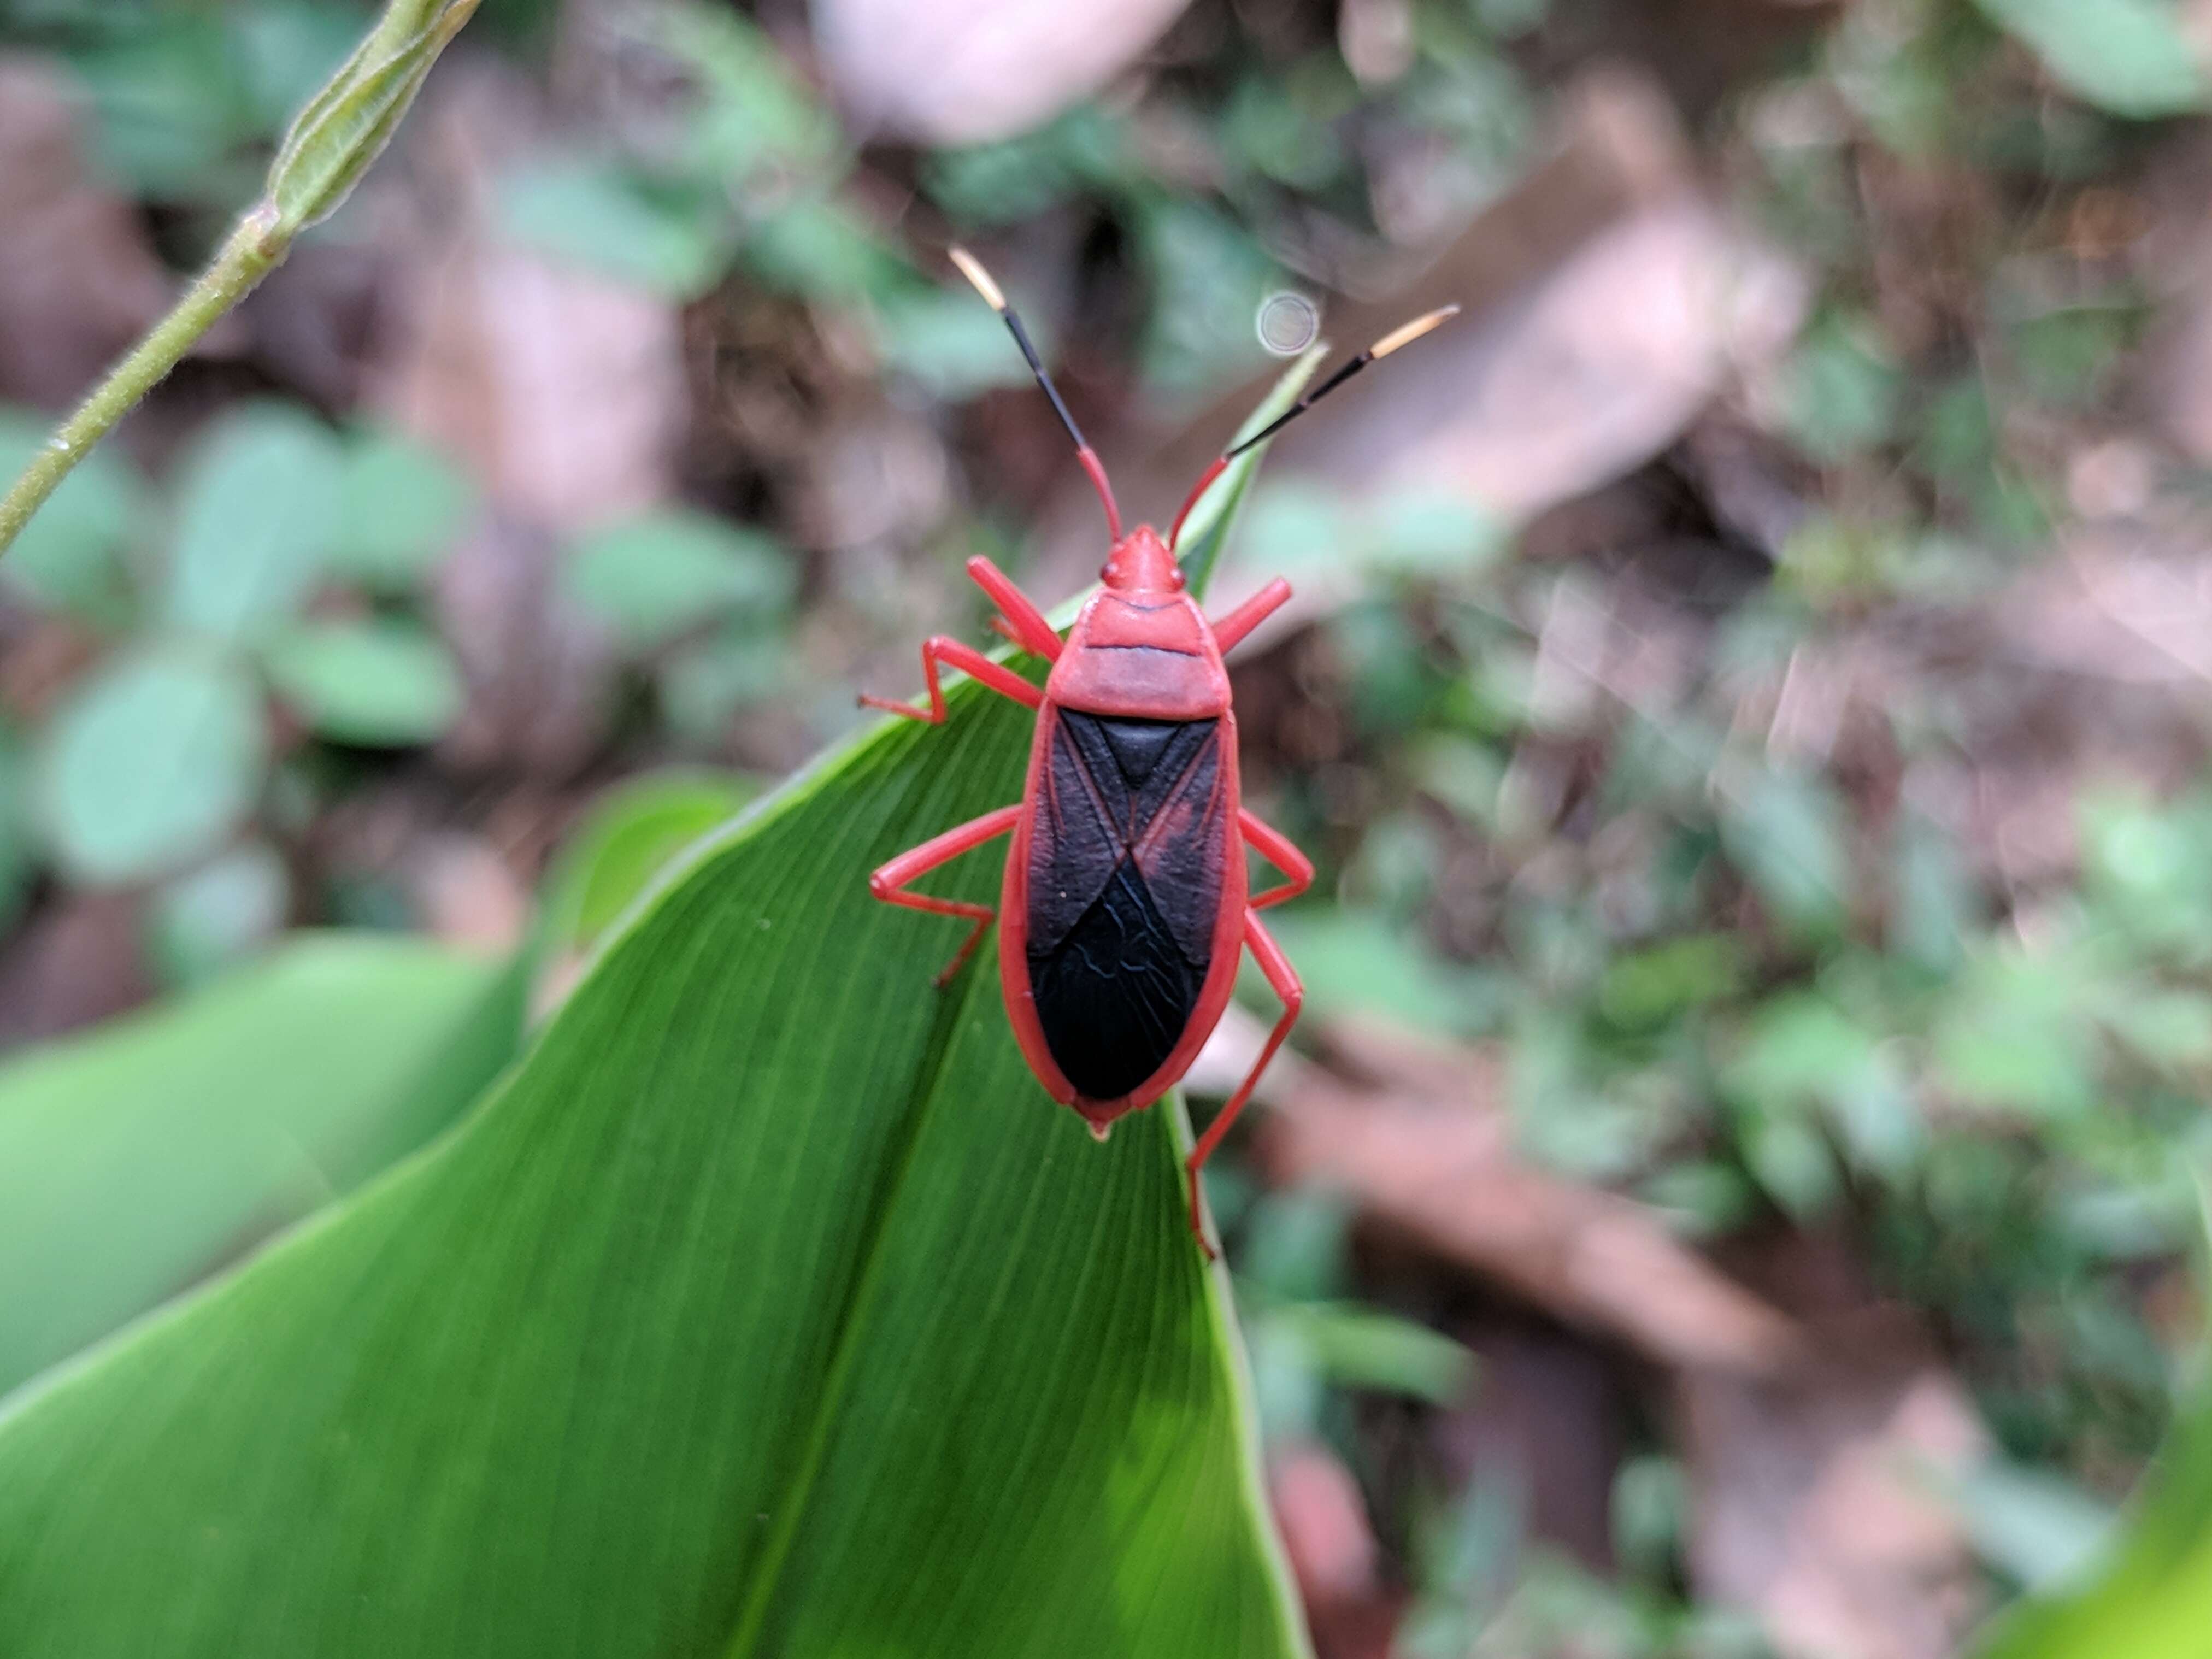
x: 255, y: 248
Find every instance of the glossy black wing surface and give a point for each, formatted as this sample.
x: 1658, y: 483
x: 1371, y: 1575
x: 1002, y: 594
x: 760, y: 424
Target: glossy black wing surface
x: 1124, y: 888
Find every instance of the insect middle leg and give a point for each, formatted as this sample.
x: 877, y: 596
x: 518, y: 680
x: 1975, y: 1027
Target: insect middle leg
x: 1272, y: 845
x: 888, y: 883
x: 938, y: 648
x: 1284, y: 979
x: 1024, y: 623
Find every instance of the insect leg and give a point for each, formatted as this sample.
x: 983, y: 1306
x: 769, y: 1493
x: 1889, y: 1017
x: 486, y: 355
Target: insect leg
x: 889, y: 884
x: 1284, y: 979
x: 937, y: 649
x: 1231, y: 630
x: 1025, y: 624
x: 1272, y: 845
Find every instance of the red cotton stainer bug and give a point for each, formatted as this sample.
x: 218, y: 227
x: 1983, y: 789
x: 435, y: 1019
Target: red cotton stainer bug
x: 1125, y: 900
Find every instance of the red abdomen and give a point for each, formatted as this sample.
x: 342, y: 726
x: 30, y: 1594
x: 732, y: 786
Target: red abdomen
x: 1124, y: 900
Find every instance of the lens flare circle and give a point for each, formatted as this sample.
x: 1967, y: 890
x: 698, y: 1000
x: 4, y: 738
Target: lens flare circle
x: 1287, y: 324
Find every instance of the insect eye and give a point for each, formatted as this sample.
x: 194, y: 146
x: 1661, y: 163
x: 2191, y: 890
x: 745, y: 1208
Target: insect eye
x: 1106, y: 571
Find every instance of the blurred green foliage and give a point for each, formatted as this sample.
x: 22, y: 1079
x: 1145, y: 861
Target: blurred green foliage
x: 1723, y: 973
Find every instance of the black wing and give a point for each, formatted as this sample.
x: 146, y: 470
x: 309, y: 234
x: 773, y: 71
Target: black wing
x: 1124, y: 888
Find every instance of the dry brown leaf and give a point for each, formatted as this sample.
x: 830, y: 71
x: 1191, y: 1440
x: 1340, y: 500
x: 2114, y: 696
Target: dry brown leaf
x: 1421, y: 1146
x: 994, y: 68
x: 77, y: 962
x: 466, y: 895
x: 78, y: 281
x: 1323, y: 1520
x: 1816, y: 1500
x: 1608, y: 303
x: 1334, y: 1554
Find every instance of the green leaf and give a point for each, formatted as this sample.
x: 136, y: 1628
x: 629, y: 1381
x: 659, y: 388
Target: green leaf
x: 1784, y: 831
x: 769, y: 1307
x: 1357, y: 961
x: 630, y: 837
x: 18, y: 839
x: 1206, y: 533
x: 753, y: 112
x: 705, y: 682
x: 1360, y: 1347
x: 2015, y: 1035
x: 2129, y: 56
x: 1841, y: 390
x: 208, y: 919
x: 65, y: 556
x: 401, y: 506
x: 598, y: 218
x: 952, y: 346
x: 150, y: 763
x: 257, y: 521
x: 137, y: 1156
x: 1803, y: 1049
x: 382, y: 684
x: 2151, y: 1596
x: 346, y: 126
x: 653, y: 578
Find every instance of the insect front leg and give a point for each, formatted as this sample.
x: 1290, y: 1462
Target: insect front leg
x: 889, y: 884
x: 1231, y: 630
x: 937, y: 649
x: 1023, y: 622
x: 1284, y: 979
x: 1272, y: 845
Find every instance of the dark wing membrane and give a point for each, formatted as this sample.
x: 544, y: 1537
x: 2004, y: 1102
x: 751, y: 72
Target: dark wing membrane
x: 1075, y: 840
x: 1182, y: 835
x: 1114, y: 996
x: 1125, y: 879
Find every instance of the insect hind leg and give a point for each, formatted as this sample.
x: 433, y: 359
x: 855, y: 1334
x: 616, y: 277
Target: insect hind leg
x: 1284, y: 980
x: 889, y: 882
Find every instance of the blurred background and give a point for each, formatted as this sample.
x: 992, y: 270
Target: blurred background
x: 1748, y: 693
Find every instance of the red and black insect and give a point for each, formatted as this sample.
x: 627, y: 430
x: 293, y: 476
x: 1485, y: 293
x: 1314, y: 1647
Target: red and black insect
x: 1126, y: 902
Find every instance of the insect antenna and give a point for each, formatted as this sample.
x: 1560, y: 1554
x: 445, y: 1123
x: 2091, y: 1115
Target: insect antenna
x: 1404, y: 334
x: 972, y: 269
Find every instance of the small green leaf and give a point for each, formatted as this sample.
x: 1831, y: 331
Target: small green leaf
x: 1206, y: 533
x: 150, y: 763
x: 631, y: 837
x: 1434, y: 532
x: 65, y: 556
x: 753, y: 111
x: 653, y: 578
x: 1803, y: 1050
x: 1841, y: 390
x: 671, y: 244
x: 205, y: 922
x: 257, y: 519
x: 1360, y: 1347
x: 952, y: 346
x: 2151, y: 1595
x: 346, y: 126
x: 1784, y: 831
x: 402, y: 506
x: 381, y: 684
x: 2129, y: 56
x: 137, y: 1156
x: 704, y: 682
x: 1355, y: 961
x: 2015, y: 1035
x: 18, y: 840
x: 2034, y: 1525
